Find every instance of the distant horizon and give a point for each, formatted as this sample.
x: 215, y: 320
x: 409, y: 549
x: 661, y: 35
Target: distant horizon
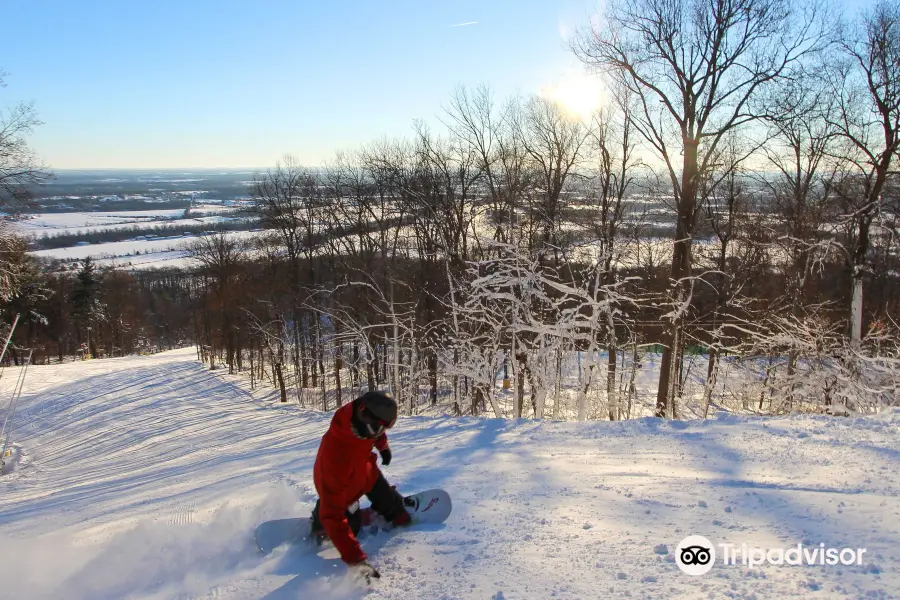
x: 644, y: 170
x: 118, y: 85
x: 157, y: 169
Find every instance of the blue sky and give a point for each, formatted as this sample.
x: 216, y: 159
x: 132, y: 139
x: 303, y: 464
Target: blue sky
x: 228, y: 83
x: 202, y: 83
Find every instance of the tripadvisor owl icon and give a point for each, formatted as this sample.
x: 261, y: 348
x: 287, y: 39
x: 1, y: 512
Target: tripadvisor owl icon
x: 695, y: 555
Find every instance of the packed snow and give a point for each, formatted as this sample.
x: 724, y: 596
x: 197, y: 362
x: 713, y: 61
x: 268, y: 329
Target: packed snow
x: 143, y: 477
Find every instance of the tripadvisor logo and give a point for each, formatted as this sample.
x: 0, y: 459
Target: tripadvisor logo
x: 696, y: 555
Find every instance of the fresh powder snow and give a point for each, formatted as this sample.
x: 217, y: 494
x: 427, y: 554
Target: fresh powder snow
x: 144, y: 477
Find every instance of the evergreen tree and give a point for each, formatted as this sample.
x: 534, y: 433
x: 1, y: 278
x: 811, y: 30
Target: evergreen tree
x: 87, y: 307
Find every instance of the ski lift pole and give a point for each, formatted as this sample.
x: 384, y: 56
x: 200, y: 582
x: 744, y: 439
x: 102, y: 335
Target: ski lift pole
x: 9, y: 337
x: 17, y: 393
x: 12, y: 330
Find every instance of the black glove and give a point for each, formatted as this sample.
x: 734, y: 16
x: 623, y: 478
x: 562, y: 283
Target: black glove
x: 365, y: 570
x: 385, y: 456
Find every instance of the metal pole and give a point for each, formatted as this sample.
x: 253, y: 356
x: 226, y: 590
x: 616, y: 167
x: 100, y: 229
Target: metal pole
x: 12, y: 397
x: 9, y: 337
x: 17, y: 393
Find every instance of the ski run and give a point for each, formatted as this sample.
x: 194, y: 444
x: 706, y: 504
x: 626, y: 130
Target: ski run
x: 144, y: 477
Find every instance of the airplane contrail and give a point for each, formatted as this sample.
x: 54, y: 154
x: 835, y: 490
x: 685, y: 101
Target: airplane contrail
x: 464, y: 24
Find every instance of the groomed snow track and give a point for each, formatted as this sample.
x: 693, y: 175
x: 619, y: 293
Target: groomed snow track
x: 143, y: 477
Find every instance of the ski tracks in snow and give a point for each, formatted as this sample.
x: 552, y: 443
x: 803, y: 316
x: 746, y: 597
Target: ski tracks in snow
x: 145, y: 477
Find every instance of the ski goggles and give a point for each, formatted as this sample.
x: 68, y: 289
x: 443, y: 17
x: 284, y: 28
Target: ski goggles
x: 375, y: 426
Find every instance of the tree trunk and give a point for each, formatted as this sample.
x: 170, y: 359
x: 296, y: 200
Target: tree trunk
x: 383, y: 372
x: 432, y: 374
x: 673, y: 338
x: 762, y: 394
x: 252, y: 370
x: 304, y: 367
x: 456, y: 377
x: 521, y: 357
x: 612, y: 391
x: 354, y: 366
x: 229, y: 347
x: 396, y: 354
x: 371, y: 367
x: 320, y: 349
x: 295, y: 350
x: 280, y: 379
x: 712, y: 372
x: 262, y: 364
x: 338, y: 365
x: 856, y: 308
x: 313, y: 356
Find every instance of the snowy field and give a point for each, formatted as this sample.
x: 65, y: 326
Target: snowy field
x: 175, y: 259
x: 143, y: 477
x: 135, y: 253
x: 55, y: 223
x: 169, y: 251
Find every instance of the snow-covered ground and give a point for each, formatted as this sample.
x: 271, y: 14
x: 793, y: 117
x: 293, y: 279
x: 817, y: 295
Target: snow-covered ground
x: 135, y: 253
x: 53, y: 223
x: 155, y: 260
x: 143, y: 477
x: 152, y: 252
x: 116, y: 249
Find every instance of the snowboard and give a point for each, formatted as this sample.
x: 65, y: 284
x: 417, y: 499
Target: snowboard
x: 428, y: 507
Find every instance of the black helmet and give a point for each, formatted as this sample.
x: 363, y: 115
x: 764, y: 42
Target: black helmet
x: 373, y: 412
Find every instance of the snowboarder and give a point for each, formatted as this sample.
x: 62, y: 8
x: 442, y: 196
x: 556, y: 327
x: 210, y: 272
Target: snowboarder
x: 346, y: 469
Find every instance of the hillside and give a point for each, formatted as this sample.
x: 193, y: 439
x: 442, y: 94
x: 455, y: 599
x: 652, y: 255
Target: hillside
x: 143, y: 477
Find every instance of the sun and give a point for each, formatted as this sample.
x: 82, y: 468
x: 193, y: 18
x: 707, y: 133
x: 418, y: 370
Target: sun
x: 576, y: 92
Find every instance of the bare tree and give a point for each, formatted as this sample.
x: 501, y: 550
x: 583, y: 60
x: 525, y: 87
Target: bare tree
x: 867, y: 86
x: 442, y: 198
x: 12, y: 251
x: 802, y: 137
x: 694, y: 66
x: 219, y: 257
x: 732, y: 254
x: 555, y: 143
x: 490, y: 131
x: 19, y: 166
x: 288, y: 200
x: 19, y: 170
x: 612, y: 146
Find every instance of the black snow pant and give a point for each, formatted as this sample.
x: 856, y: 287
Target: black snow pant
x: 385, y: 500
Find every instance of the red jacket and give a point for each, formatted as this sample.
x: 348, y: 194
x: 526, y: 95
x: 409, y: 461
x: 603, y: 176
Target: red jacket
x: 345, y: 470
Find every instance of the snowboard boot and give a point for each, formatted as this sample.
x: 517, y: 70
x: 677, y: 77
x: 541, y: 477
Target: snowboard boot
x: 388, y: 502
x: 317, y: 530
x: 402, y: 518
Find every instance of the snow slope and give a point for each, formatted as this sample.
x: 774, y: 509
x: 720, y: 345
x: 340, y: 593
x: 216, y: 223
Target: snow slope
x: 143, y: 477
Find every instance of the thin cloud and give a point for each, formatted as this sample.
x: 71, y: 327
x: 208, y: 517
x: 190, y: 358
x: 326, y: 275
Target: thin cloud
x: 464, y: 24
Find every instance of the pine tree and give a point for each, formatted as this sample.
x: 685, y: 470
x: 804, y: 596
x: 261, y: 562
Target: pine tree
x: 87, y: 308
